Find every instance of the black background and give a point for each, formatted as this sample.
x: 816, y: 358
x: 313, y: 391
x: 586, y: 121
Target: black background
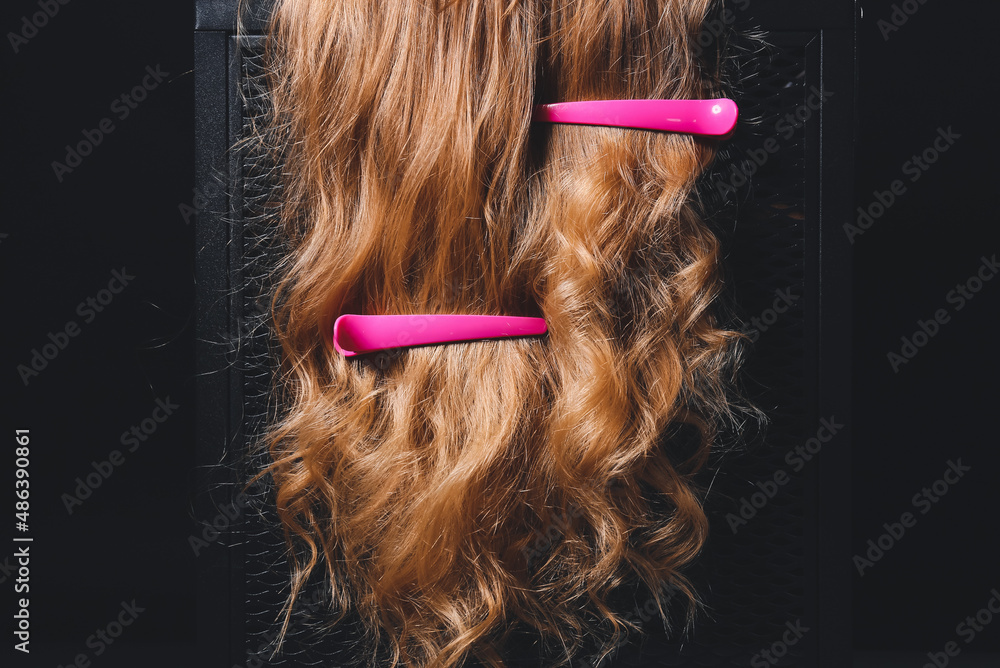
x: 121, y: 207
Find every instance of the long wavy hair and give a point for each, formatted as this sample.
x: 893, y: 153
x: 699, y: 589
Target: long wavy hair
x: 420, y: 481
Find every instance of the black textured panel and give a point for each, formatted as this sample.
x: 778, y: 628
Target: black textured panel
x: 266, y: 567
x: 754, y: 580
x: 756, y: 576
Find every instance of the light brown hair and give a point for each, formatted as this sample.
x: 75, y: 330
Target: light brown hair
x: 414, y: 182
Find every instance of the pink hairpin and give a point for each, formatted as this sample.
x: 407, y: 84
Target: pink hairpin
x: 356, y: 334
x: 700, y: 117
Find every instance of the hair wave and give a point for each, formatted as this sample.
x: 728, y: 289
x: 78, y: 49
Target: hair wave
x: 419, y: 480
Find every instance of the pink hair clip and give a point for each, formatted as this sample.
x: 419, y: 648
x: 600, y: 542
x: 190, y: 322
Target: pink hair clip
x: 357, y: 334
x: 700, y: 117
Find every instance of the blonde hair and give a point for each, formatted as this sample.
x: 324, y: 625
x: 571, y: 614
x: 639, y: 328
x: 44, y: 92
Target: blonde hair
x: 414, y: 182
